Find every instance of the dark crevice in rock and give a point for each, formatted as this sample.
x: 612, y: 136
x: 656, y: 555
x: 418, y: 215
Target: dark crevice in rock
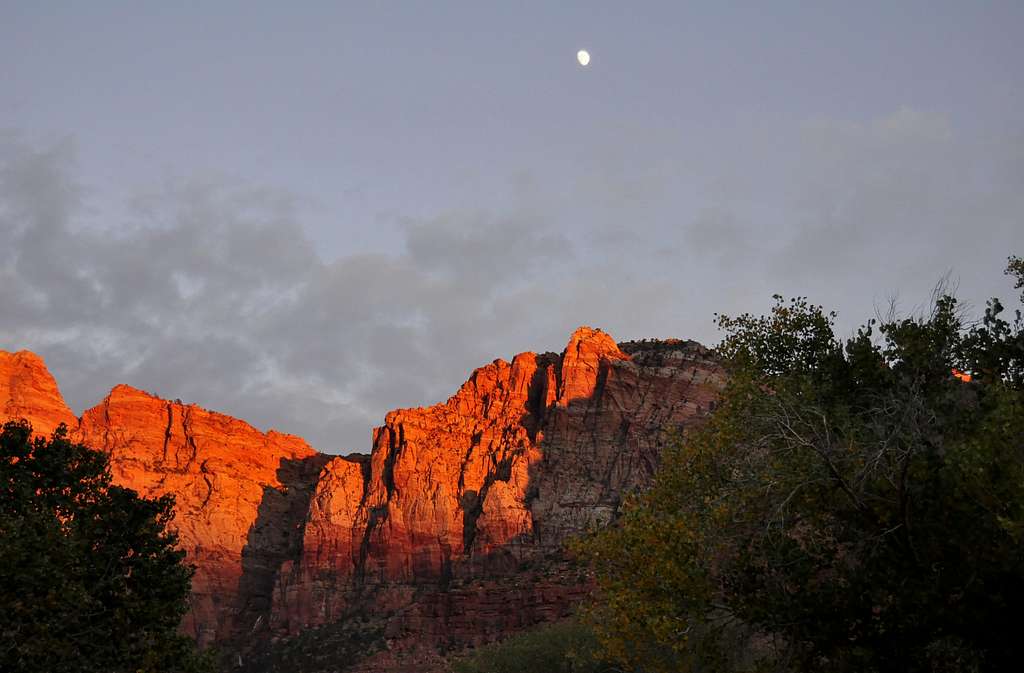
x: 473, y: 503
x: 536, y: 397
x: 473, y: 444
x: 274, y: 538
x: 190, y: 440
x: 209, y: 484
x: 374, y: 517
x: 167, y: 430
x: 395, y: 444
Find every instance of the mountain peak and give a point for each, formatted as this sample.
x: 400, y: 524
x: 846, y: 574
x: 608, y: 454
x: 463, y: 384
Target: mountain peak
x: 592, y: 335
x: 28, y: 390
x: 581, y: 361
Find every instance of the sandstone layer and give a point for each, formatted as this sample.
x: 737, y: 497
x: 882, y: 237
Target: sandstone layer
x: 449, y: 533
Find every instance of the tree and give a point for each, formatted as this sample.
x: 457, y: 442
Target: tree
x: 851, y: 505
x: 90, y: 579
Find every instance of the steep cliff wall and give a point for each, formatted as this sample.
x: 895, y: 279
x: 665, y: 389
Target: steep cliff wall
x: 450, y: 532
x: 456, y: 522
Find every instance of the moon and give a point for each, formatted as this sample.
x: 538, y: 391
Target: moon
x: 583, y: 56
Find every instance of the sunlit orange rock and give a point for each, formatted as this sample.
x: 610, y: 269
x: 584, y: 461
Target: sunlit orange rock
x: 581, y: 364
x: 241, y: 495
x: 452, y: 530
x: 471, y: 492
x: 27, y: 390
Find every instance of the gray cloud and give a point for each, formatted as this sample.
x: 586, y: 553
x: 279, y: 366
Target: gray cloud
x: 212, y: 292
x: 889, y: 206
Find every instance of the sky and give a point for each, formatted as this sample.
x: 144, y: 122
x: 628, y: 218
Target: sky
x: 306, y: 216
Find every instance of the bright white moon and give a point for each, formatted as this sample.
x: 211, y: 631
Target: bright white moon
x: 583, y: 56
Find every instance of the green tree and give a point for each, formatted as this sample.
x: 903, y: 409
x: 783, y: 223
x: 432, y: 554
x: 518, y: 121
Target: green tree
x: 90, y: 579
x: 852, y: 505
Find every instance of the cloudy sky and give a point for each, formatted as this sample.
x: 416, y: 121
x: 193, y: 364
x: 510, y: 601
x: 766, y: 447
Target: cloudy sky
x: 306, y: 216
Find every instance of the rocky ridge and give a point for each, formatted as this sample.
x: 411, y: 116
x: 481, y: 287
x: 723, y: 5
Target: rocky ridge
x: 449, y: 533
x: 238, y: 491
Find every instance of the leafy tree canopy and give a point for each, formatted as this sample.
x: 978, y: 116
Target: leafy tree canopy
x: 852, y: 505
x: 90, y: 579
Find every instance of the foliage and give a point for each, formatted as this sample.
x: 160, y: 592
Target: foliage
x: 850, y: 506
x: 562, y: 647
x: 90, y: 579
x: 1015, y: 268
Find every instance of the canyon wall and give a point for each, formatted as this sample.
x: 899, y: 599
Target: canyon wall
x: 449, y: 533
x: 238, y: 492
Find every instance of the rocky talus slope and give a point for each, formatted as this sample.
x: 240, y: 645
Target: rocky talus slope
x: 449, y: 533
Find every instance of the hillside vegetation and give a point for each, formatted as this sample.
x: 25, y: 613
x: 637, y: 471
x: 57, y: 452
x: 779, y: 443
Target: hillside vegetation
x: 853, y: 504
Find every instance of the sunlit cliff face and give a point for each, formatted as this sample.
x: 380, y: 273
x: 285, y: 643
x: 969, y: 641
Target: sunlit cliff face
x: 479, y: 492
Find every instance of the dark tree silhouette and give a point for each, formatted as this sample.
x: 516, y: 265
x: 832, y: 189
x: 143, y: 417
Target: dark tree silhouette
x: 90, y: 579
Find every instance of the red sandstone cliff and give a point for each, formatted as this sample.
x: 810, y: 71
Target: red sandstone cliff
x: 238, y: 491
x: 239, y: 496
x: 27, y: 390
x: 457, y: 520
x: 451, y: 531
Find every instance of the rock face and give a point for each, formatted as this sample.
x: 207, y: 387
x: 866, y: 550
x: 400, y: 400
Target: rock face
x: 451, y: 532
x: 241, y: 495
x: 459, y: 503
x: 27, y: 390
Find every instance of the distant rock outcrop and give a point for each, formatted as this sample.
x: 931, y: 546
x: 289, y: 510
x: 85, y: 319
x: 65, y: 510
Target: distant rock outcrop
x: 27, y: 390
x: 450, y: 533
